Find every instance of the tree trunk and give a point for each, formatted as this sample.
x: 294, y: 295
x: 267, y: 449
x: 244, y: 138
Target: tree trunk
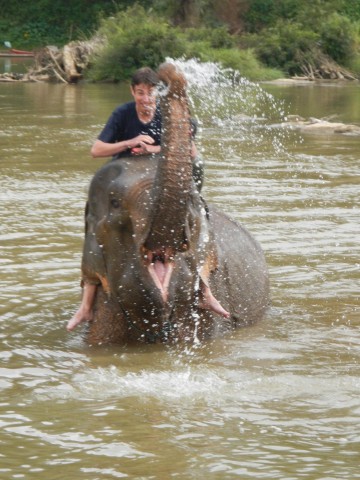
x: 72, y: 75
x: 186, y: 13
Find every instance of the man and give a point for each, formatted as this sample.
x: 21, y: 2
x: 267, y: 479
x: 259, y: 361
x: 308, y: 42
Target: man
x: 134, y: 129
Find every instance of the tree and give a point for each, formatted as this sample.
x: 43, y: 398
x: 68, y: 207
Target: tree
x: 188, y: 13
x: 185, y: 13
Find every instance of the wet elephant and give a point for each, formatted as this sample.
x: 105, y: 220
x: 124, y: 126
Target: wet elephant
x: 150, y: 239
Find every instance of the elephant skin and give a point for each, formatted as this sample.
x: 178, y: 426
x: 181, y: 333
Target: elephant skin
x: 149, y: 236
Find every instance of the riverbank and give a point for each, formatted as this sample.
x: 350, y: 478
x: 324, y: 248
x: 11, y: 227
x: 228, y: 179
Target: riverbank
x: 53, y: 64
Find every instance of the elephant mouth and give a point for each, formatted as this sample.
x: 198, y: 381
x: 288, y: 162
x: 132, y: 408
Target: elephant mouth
x: 160, y: 266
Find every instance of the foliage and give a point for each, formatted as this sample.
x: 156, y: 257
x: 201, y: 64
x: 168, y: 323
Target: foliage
x: 43, y: 22
x: 338, y: 38
x: 215, y: 37
x: 241, y: 60
x: 286, y: 46
x: 265, y: 13
x: 280, y: 34
x: 354, y: 66
x: 289, y: 33
x: 350, y: 9
x: 134, y: 39
x: 181, y: 12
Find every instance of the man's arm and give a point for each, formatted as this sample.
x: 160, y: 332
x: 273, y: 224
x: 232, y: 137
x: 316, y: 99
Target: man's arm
x: 141, y: 142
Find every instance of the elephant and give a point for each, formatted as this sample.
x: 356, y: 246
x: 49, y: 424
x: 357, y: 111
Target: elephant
x: 150, y: 239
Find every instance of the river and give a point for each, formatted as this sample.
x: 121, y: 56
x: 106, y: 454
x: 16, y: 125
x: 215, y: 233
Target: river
x: 278, y: 400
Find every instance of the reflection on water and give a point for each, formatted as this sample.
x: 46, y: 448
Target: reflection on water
x: 15, y: 65
x: 277, y: 400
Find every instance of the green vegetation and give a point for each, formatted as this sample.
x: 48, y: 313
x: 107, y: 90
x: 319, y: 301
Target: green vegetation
x: 43, y: 22
x: 263, y: 39
x: 135, y: 38
x: 292, y: 33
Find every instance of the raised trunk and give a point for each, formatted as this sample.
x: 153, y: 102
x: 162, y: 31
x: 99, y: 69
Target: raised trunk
x: 174, y: 175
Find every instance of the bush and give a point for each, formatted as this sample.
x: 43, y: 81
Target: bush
x: 351, y: 8
x: 354, y: 65
x: 36, y: 24
x: 244, y: 61
x: 286, y: 47
x: 134, y: 40
x: 216, y: 37
x: 265, y: 13
x: 338, y: 38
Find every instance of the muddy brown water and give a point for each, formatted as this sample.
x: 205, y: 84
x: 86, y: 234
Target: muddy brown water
x: 278, y: 400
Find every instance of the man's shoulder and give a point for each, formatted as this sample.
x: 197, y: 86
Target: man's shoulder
x: 128, y: 107
x: 123, y: 113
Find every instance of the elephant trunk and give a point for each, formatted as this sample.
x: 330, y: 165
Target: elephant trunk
x: 173, y: 181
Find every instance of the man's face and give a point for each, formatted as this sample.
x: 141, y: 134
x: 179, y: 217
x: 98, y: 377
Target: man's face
x: 144, y: 96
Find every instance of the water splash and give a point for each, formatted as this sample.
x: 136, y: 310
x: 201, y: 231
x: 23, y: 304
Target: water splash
x: 101, y: 383
x: 225, y: 91
x: 227, y: 104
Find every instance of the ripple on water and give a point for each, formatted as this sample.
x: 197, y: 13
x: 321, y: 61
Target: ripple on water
x: 277, y: 400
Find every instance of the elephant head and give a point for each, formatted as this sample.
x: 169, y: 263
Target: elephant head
x: 147, y: 235
x: 148, y: 238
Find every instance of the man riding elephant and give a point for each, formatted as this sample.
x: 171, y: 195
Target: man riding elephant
x: 133, y: 130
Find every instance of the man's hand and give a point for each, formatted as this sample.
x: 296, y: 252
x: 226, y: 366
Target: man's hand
x: 144, y: 146
x: 141, y: 140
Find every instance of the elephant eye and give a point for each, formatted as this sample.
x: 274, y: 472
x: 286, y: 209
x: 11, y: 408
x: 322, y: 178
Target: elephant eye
x: 115, y: 203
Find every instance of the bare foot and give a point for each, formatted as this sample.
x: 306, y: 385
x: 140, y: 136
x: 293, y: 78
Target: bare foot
x: 79, y: 317
x: 209, y: 302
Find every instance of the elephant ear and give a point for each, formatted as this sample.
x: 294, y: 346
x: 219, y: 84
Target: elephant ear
x: 93, y: 264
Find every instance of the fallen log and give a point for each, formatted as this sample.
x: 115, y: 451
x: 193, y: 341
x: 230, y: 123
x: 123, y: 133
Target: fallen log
x: 71, y: 66
x: 325, y: 68
x: 321, y: 126
x: 58, y: 65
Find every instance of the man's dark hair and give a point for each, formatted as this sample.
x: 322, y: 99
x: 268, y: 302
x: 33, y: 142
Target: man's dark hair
x: 145, y: 75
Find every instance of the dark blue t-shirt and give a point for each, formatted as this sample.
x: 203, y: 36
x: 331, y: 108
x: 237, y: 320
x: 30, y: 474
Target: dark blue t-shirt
x: 124, y: 124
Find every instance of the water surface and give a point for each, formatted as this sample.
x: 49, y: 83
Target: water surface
x: 278, y: 400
